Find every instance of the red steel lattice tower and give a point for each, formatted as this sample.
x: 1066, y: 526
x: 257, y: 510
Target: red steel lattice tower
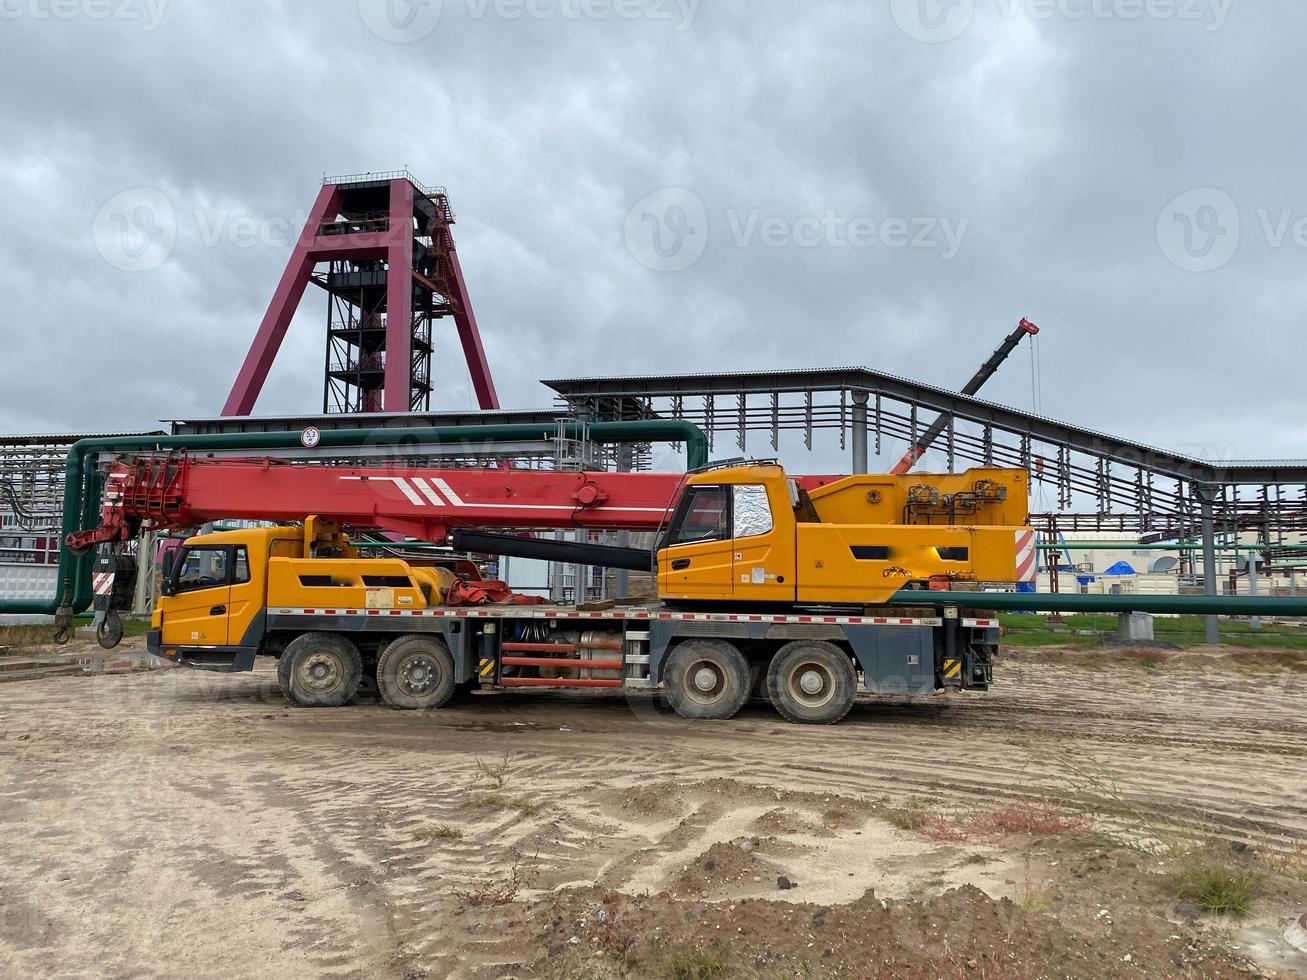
x: 380, y: 245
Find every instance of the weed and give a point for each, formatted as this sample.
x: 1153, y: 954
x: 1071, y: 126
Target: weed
x: 911, y: 816
x: 494, y: 774
x: 1034, y: 894
x: 692, y: 963
x: 1292, y: 864
x: 502, y: 801
x: 1214, y: 885
x: 835, y: 815
x: 499, y: 892
x: 1035, y: 819
x: 440, y: 832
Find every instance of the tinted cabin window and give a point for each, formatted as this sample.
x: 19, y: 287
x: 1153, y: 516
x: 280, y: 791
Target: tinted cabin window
x: 203, y: 568
x: 704, y: 515
x: 241, y: 571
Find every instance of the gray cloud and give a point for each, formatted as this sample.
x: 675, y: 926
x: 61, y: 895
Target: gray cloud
x: 1056, y: 141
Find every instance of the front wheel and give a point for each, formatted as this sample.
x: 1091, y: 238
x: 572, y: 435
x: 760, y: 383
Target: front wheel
x: 812, y: 682
x: 321, y: 670
x: 706, y: 679
x: 416, y: 672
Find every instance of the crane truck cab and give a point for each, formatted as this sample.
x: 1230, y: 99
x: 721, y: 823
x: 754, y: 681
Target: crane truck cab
x: 750, y: 534
x: 218, y: 588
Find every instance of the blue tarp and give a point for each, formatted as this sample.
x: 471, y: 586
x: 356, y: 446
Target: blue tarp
x: 1121, y: 568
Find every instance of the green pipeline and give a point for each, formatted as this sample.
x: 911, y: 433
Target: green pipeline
x: 1074, y: 602
x: 82, y: 482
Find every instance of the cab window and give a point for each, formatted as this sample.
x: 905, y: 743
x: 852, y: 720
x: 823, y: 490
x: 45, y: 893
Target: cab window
x: 752, y: 512
x: 241, y: 570
x: 203, y: 568
x: 703, y: 515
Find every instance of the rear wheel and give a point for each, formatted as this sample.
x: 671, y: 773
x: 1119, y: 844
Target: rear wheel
x: 416, y: 672
x: 707, y: 679
x: 320, y: 670
x: 812, y: 682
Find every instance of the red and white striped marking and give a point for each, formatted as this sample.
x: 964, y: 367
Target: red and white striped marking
x: 519, y: 612
x: 1026, y: 566
x: 102, y: 582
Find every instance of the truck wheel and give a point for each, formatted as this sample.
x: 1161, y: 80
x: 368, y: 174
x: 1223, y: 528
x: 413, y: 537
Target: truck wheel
x: 706, y: 679
x: 283, y: 673
x: 322, y: 670
x: 416, y: 672
x: 812, y: 682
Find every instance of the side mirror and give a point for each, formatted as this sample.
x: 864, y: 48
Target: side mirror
x: 165, y: 584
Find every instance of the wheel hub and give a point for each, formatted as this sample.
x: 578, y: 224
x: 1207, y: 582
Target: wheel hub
x: 321, y: 672
x: 707, y: 679
x: 811, y: 682
x: 418, y: 675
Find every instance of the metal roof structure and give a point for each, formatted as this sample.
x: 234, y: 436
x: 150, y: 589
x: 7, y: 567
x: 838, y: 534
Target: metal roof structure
x: 1128, y: 482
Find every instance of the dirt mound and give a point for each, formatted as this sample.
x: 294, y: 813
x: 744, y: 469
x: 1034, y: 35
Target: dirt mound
x: 962, y: 933
x: 724, y: 864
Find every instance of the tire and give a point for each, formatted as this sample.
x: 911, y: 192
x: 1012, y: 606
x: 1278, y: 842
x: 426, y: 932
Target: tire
x: 321, y: 670
x: 706, y: 679
x: 812, y: 682
x: 283, y: 678
x: 415, y: 673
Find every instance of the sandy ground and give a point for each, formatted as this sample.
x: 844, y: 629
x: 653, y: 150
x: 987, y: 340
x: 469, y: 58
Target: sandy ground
x: 167, y: 822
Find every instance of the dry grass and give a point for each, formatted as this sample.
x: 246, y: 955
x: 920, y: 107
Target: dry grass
x: 495, y: 893
x: 440, y: 832
x: 493, y: 802
x: 1291, y: 864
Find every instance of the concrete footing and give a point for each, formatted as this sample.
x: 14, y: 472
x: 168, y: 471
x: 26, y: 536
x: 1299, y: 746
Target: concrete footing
x: 1137, y: 627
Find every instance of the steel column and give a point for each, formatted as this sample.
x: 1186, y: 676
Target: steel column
x: 1206, y: 500
x: 860, y: 459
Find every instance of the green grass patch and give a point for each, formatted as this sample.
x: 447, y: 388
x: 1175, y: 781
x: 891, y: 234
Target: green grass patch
x: 693, y: 964
x: 1216, y: 885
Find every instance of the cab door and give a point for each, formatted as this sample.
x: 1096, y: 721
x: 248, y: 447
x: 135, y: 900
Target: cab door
x: 195, y: 613
x: 245, y: 598
x: 763, y: 533
x: 697, y: 561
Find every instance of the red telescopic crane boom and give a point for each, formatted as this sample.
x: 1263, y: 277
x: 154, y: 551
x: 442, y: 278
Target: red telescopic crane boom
x: 182, y: 492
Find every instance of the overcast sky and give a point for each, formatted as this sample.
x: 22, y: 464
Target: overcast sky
x: 667, y: 186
